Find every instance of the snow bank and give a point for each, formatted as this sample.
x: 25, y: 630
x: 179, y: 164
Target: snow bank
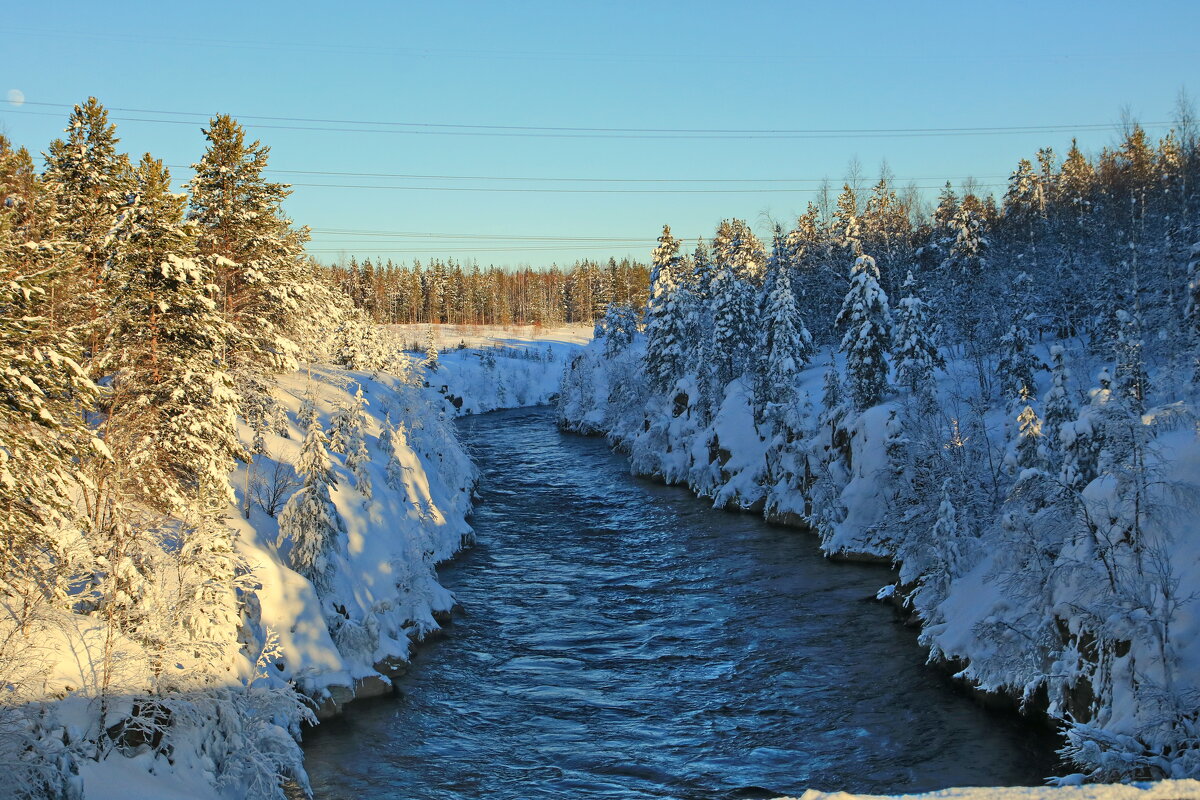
x: 1163, y: 790
x: 385, y: 577
x: 404, y: 510
x: 1076, y: 601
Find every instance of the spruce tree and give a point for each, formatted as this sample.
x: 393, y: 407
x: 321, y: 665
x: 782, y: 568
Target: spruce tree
x: 1029, y: 450
x: 1017, y: 364
x: 1131, y: 380
x: 1060, y: 408
x: 665, y: 345
x: 173, y: 408
x: 91, y: 183
x: 1192, y: 311
x: 847, y: 233
x: 732, y: 302
x: 786, y: 345
x: 258, y: 259
x: 915, y: 350
x: 868, y: 322
x: 43, y: 435
x: 309, y: 520
x: 431, y: 351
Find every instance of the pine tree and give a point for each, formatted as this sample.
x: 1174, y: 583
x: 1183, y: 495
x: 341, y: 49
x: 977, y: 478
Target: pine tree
x: 738, y: 251
x: 309, y: 520
x: 915, y: 350
x: 1025, y: 198
x: 868, y: 322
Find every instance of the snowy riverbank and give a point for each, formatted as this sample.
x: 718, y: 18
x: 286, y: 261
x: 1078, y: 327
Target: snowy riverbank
x: 399, y: 487
x: 1163, y: 790
x: 1046, y: 626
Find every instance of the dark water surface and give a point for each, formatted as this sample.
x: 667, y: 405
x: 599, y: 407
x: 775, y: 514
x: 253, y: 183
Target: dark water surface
x: 621, y: 639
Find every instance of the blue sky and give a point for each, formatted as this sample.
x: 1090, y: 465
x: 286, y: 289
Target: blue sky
x: 632, y: 65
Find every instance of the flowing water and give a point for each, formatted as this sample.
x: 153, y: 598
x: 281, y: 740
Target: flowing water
x: 621, y: 639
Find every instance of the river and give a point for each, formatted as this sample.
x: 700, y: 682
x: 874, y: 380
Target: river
x: 621, y: 639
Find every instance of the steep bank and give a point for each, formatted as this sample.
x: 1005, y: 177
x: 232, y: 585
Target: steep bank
x: 1040, y: 596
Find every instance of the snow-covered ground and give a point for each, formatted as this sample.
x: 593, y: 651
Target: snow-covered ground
x: 404, y: 510
x: 1163, y: 790
x: 449, y: 337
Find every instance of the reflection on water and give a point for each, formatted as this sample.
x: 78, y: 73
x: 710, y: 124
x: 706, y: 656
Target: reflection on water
x: 620, y: 639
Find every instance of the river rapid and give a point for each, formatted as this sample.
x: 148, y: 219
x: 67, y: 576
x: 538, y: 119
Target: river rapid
x: 621, y: 639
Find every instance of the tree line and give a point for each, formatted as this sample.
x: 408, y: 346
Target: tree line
x: 454, y: 293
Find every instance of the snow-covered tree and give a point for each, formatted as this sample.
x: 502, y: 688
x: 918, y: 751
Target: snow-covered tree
x: 310, y: 522
x: 617, y: 328
x: 1192, y: 310
x: 431, y: 351
x: 868, y: 322
x: 1131, y: 381
x: 91, y: 183
x: 666, y: 345
x: 1059, y: 405
x: 847, y: 233
x: 43, y: 437
x: 1028, y: 450
x: 786, y: 345
x: 172, y: 408
x: 1017, y: 364
x: 352, y: 426
x: 914, y: 348
x: 258, y: 258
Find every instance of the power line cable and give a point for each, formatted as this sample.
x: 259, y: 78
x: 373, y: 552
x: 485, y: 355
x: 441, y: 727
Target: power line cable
x: 514, y: 131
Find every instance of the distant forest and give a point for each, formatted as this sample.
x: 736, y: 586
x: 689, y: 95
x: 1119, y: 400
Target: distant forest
x: 449, y: 292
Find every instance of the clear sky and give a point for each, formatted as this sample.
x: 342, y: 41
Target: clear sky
x: 516, y: 69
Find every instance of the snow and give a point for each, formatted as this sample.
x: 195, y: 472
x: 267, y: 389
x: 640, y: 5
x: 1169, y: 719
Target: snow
x: 1019, y: 616
x: 1162, y: 790
x: 384, y: 585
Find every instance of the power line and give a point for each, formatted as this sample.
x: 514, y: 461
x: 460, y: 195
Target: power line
x: 402, y: 251
x: 485, y: 236
x: 515, y: 131
x: 894, y: 181
x: 505, y: 189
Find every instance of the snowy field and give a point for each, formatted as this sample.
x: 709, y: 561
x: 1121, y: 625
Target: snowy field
x: 449, y: 337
